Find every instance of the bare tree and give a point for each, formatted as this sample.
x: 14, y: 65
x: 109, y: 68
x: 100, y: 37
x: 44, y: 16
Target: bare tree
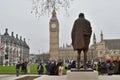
x: 45, y: 7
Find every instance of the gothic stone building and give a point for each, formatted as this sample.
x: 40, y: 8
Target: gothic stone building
x: 12, y: 48
x: 105, y: 49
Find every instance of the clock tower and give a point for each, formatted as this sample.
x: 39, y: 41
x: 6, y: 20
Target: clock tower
x: 54, y: 36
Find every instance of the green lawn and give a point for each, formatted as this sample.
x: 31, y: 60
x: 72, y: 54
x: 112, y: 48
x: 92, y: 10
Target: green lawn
x: 7, y: 69
x: 12, y: 70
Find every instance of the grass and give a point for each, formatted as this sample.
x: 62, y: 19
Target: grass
x: 33, y: 69
x: 7, y: 69
x: 12, y: 69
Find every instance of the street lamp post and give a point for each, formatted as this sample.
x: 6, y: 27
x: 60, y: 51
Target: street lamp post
x: 28, y: 66
x: 6, y: 56
x: 39, y: 55
x: 92, y: 54
x: 11, y: 52
x: 21, y: 51
x: 43, y: 56
x: 28, y: 45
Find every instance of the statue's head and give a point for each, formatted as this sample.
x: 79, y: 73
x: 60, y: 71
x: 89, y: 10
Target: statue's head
x: 81, y: 15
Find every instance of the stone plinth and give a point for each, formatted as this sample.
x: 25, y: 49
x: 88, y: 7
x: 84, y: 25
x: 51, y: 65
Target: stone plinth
x: 82, y: 75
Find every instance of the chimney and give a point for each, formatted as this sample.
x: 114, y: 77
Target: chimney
x: 12, y: 34
x: 24, y: 39
x: 6, y: 31
x: 16, y: 36
x: 21, y: 38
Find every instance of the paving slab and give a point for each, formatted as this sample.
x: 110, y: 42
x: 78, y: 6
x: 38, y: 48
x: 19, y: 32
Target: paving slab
x: 7, y: 77
x: 111, y: 77
x: 48, y: 77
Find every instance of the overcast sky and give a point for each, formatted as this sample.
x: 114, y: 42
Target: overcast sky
x: 15, y: 15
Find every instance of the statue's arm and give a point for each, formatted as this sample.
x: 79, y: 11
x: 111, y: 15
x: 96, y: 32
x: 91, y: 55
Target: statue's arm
x: 73, y: 32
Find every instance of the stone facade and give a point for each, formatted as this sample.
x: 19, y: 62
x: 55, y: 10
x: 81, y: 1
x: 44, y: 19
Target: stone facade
x: 106, y: 48
x: 12, y: 48
x: 67, y: 53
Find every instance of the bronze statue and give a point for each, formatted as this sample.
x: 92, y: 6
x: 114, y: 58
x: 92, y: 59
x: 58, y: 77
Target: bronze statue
x: 80, y: 35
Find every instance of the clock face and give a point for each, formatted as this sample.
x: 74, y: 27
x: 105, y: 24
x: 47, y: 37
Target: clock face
x: 53, y: 25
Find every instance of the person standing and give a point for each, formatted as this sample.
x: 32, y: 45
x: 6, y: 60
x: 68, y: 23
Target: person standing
x: 18, y: 68
x: 47, y: 66
x: 40, y: 69
x: 110, y: 67
x: 60, y: 69
x: 24, y: 67
x: 28, y: 66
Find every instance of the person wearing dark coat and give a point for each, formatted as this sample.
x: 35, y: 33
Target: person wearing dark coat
x: 24, y: 67
x: 47, y: 68
x: 40, y: 69
x: 110, y: 68
x: 53, y: 68
x: 73, y: 65
x: 119, y: 67
x: 18, y: 68
x: 81, y: 33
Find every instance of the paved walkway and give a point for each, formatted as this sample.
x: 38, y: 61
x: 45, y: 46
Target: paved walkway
x: 46, y: 77
x: 112, y: 77
x: 7, y: 77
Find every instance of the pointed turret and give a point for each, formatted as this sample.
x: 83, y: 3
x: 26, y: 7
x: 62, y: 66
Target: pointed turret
x: 20, y: 38
x: 54, y: 17
x: 101, y: 36
x: 12, y: 34
x: 16, y: 36
x: 6, y: 32
x: 94, y: 39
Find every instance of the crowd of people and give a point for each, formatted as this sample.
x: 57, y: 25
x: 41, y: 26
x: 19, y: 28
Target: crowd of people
x: 56, y: 68
x: 109, y: 67
x: 52, y: 68
x: 22, y: 66
x: 103, y: 67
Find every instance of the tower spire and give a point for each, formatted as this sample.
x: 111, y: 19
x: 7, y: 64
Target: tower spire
x: 54, y: 17
x: 6, y: 31
x: 94, y: 39
x: 101, y: 36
